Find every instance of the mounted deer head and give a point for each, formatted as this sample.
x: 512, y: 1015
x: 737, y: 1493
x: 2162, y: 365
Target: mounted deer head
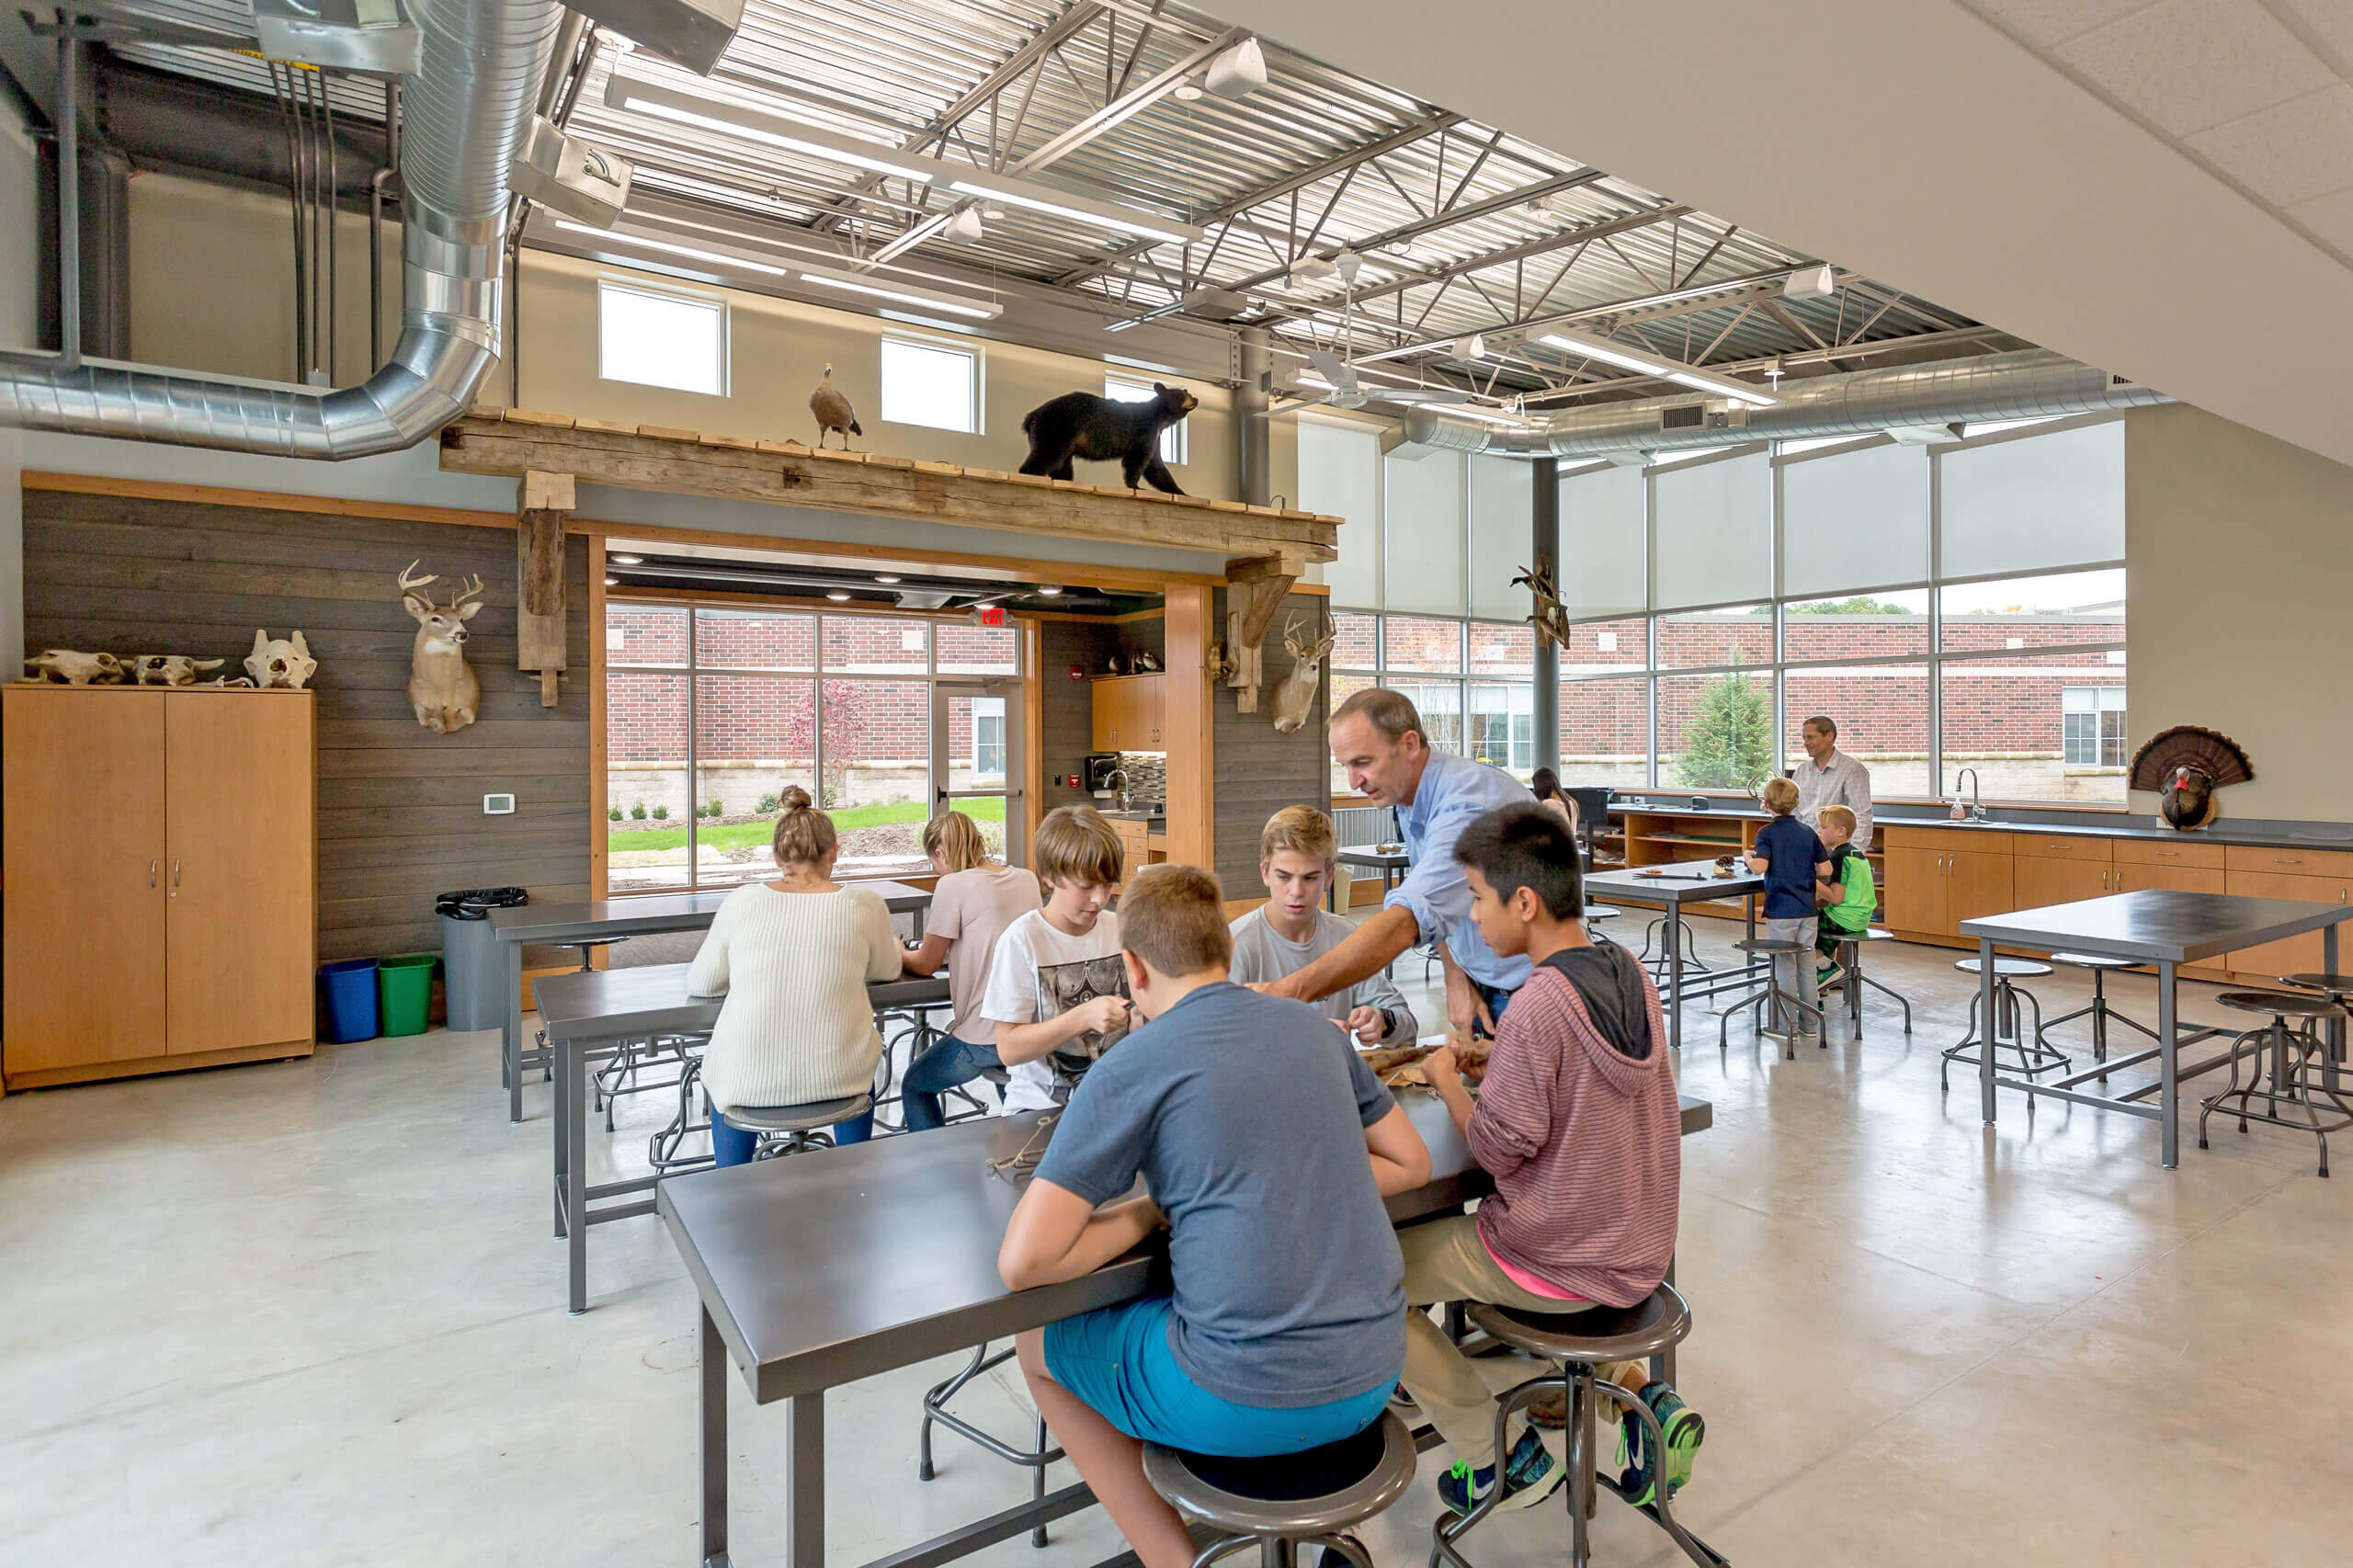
x: 281, y: 660
x: 442, y: 692
x: 1295, y: 697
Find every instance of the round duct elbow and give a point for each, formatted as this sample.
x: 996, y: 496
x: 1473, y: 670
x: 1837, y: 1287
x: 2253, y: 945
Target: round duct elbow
x: 1427, y: 427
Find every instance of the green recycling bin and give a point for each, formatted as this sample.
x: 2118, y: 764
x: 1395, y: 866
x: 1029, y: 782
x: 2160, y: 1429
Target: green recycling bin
x: 404, y: 992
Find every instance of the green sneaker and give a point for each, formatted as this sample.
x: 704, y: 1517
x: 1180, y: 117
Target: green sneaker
x: 1685, y: 1431
x: 1530, y: 1475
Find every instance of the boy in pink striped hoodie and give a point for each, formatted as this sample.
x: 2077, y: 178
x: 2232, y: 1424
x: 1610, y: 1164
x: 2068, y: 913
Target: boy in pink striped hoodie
x: 1576, y: 1120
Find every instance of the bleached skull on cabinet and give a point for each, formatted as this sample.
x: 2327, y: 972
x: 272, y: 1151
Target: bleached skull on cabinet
x: 283, y: 662
x: 70, y: 668
x: 170, y: 669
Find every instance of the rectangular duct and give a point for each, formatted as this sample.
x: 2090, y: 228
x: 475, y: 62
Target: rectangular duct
x: 568, y: 175
x: 693, y: 33
x: 363, y: 36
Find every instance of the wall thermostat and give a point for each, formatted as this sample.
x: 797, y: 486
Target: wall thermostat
x: 498, y: 805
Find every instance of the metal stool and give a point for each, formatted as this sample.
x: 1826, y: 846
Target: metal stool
x: 661, y: 1149
x: 542, y: 1055
x: 2034, y: 1056
x: 2098, y: 1011
x: 1850, y: 948
x: 795, y: 1129
x: 935, y: 1408
x: 1288, y: 1501
x: 2293, y: 1084
x: 1787, y: 1008
x: 2337, y: 988
x: 1659, y: 964
x: 1579, y: 1344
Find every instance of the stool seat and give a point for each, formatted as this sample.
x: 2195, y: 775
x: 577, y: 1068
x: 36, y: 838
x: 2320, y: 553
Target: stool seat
x: 1315, y: 1492
x: 798, y: 1117
x: 1599, y: 1333
x: 2317, y: 981
x: 2006, y: 968
x: 1868, y: 934
x: 1602, y: 912
x: 2279, y: 1004
x: 1772, y: 945
x: 2094, y: 961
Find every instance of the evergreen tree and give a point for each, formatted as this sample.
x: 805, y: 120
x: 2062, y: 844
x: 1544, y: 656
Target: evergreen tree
x: 1730, y: 743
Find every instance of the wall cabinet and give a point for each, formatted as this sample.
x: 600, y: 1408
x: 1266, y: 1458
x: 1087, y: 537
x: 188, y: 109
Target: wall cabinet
x: 1128, y: 713
x: 161, y: 855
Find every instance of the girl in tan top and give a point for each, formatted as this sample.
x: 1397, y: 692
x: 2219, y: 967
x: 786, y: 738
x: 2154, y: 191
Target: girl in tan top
x: 973, y: 901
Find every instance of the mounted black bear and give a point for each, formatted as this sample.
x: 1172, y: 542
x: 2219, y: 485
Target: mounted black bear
x: 1101, y: 429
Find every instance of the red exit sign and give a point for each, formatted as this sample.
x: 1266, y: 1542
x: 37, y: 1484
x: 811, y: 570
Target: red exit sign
x: 992, y: 615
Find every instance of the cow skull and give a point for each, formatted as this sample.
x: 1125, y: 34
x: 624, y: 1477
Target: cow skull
x: 170, y: 669
x: 283, y: 662
x: 1295, y: 697
x: 442, y: 692
x: 66, y: 667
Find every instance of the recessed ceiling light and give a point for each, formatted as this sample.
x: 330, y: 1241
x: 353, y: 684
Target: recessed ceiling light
x: 612, y: 582
x: 838, y: 599
x: 886, y: 582
x: 1051, y: 592
x: 1188, y: 93
x: 625, y: 560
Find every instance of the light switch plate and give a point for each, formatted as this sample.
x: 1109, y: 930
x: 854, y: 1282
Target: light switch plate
x: 498, y: 805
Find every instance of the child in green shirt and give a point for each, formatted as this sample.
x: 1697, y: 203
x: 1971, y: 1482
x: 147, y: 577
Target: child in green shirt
x: 1849, y: 895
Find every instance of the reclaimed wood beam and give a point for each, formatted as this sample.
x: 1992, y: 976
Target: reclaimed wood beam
x: 511, y: 443
x: 1256, y: 589
x: 543, y: 504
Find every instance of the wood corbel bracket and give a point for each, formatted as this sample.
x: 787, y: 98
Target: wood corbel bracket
x: 1255, y: 587
x: 541, y: 502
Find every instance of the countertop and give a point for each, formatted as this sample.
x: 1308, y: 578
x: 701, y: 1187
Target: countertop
x: 2254, y: 834
x: 1157, y: 819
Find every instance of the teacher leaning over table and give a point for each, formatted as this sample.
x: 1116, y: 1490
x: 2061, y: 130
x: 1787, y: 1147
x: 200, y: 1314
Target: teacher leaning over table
x: 1377, y: 739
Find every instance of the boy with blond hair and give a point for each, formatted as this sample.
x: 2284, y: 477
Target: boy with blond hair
x: 1791, y: 858
x: 1846, y: 896
x: 1057, y: 996
x: 1292, y: 929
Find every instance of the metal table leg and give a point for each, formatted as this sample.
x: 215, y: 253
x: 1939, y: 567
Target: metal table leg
x: 572, y: 1070
x: 1674, y: 978
x: 510, y: 1037
x: 804, y: 1486
x: 713, y: 1384
x: 560, y: 1126
x: 2333, y: 1059
x: 1985, y: 1011
x: 2169, y: 1061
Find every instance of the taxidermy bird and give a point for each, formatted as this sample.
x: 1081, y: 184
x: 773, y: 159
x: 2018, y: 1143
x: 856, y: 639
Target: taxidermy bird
x: 2184, y: 766
x: 832, y: 411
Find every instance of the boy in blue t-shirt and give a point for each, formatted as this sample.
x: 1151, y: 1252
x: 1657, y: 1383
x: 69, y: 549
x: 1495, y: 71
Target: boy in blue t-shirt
x: 1789, y: 856
x: 1285, y: 1328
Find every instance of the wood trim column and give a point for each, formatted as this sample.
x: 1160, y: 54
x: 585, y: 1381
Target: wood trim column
x: 1189, y: 628
x: 1033, y: 730
x: 599, y: 837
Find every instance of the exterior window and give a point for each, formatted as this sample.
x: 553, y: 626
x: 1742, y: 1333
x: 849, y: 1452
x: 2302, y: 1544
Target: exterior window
x: 1174, y: 444
x: 2093, y: 720
x: 658, y: 339
x: 988, y: 737
x: 926, y: 383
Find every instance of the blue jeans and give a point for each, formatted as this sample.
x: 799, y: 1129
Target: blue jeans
x: 734, y: 1146
x: 1496, y: 998
x: 1118, y: 1360
x: 947, y: 1063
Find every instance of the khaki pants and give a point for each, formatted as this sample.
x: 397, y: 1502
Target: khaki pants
x: 1445, y: 1261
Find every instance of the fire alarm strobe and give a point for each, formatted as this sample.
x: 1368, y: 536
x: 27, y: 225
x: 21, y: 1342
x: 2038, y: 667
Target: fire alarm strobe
x: 498, y: 805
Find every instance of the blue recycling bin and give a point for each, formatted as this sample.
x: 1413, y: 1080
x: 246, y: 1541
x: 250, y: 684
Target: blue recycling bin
x: 348, y: 987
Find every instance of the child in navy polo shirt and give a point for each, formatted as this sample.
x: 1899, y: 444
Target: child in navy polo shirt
x: 1789, y: 856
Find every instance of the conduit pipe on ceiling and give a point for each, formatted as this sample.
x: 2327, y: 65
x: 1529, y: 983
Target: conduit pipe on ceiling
x: 2031, y: 384
x: 464, y: 111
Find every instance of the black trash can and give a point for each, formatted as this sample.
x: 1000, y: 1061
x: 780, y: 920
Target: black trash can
x: 472, y: 973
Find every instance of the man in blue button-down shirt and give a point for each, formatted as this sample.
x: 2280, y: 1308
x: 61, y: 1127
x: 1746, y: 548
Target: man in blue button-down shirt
x: 1376, y: 738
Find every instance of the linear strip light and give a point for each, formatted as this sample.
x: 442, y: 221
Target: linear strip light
x: 1084, y: 209
x: 695, y: 252
x: 627, y: 92
x: 1653, y: 365
x: 855, y: 284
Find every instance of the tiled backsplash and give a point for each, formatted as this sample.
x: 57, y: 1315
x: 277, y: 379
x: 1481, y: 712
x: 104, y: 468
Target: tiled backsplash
x: 1147, y: 774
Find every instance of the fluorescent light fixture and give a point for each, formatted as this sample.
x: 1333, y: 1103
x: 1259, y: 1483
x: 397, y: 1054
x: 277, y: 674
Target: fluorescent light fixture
x: 886, y: 582
x: 1491, y: 415
x: 1052, y: 593
x: 1068, y: 204
x: 626, y: 560
x: 670, y: 247
x: 838, y: 597
x: 612, y: 582
x: 981, y: 310
x: 1310, y: 378
x: 1655, y: 365
x: 624, y: 91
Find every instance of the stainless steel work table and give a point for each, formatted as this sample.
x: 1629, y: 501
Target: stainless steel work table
x: 2154, y: 927
x: 544, y: 925
x: 1685, y: 882
x: 820, y: 1269
x: 587, y: 1017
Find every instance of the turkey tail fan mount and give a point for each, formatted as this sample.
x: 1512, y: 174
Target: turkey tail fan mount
x: 2209, y: 752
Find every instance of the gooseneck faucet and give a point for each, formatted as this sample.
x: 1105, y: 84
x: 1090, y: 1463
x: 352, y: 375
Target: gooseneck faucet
x: 1121, y: 775
x: 1976, y: 812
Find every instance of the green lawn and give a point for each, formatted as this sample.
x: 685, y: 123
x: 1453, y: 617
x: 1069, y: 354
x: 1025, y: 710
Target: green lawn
x: 735, y: 836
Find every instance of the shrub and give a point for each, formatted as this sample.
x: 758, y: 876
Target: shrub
x: 615, y: 813
x: 770, y: 803
x: 718, y: 807
x: 661, y: 814
x: 637, y: 811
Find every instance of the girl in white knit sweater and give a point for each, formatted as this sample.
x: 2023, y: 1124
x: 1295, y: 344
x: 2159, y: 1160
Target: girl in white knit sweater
x: 793, y: 958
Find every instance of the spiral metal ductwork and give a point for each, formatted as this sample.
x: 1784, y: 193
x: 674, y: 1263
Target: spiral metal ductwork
x: 462, y: 114
x: 2030, y: 384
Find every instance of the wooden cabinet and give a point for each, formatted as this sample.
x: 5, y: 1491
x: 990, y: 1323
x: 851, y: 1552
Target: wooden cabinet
x: 2036, y: 883
x: 1129, y: 713
x: 1134, y: 846
x: 1937, y: 879
x: 2293, y: 955
x: 161, y: 855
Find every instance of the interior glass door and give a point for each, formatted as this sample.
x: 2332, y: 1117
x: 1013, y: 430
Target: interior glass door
x: 976, y: 758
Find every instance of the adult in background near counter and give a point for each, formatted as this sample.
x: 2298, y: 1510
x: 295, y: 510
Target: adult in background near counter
x: 1828, y: 777
x: 1377, y: 739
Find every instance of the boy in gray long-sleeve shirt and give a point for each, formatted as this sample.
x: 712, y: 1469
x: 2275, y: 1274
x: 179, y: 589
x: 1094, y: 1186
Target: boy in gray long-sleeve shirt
x: 1292, y: 929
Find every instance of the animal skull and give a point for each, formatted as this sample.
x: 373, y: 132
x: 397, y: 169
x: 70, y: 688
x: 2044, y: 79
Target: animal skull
x: 1296, y: 695
x: 170, y: 669
x: 283, y: 662
x: 66, y: 667
x: 442, y: 692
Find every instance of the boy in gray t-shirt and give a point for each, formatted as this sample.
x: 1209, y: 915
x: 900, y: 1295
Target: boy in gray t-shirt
x: 1285, y: 1327
x: 1292, y: 929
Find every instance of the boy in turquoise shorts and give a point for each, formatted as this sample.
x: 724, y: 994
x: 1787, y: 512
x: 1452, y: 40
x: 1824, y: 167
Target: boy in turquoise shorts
x: 1849, y: 895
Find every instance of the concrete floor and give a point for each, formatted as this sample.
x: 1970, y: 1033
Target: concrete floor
x: 313, y: 1313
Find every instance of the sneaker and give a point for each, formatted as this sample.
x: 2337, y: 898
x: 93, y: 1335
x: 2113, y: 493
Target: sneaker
x: 1530, y: 1475
x: 1684, y: 1430
x: 1401, y: 1400
x: 1830, y: 977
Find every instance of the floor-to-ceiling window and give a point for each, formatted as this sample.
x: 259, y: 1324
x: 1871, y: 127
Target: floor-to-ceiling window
x: 711, y: 712
x: 1949, y: 607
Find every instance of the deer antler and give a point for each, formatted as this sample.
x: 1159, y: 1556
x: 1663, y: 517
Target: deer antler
x: 473, y: 590
x: 410, y: 584
x: 1292, y: 644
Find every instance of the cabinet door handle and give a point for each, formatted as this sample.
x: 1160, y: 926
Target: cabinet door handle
x: 175, y: 879
x: 2169, y: 852
x: 2286, y: 859
x: 152, y: 866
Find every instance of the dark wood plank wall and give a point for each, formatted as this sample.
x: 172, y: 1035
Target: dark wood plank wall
x: 1258, y: 771
x: 400, y: 808
x: 1068, y: 726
